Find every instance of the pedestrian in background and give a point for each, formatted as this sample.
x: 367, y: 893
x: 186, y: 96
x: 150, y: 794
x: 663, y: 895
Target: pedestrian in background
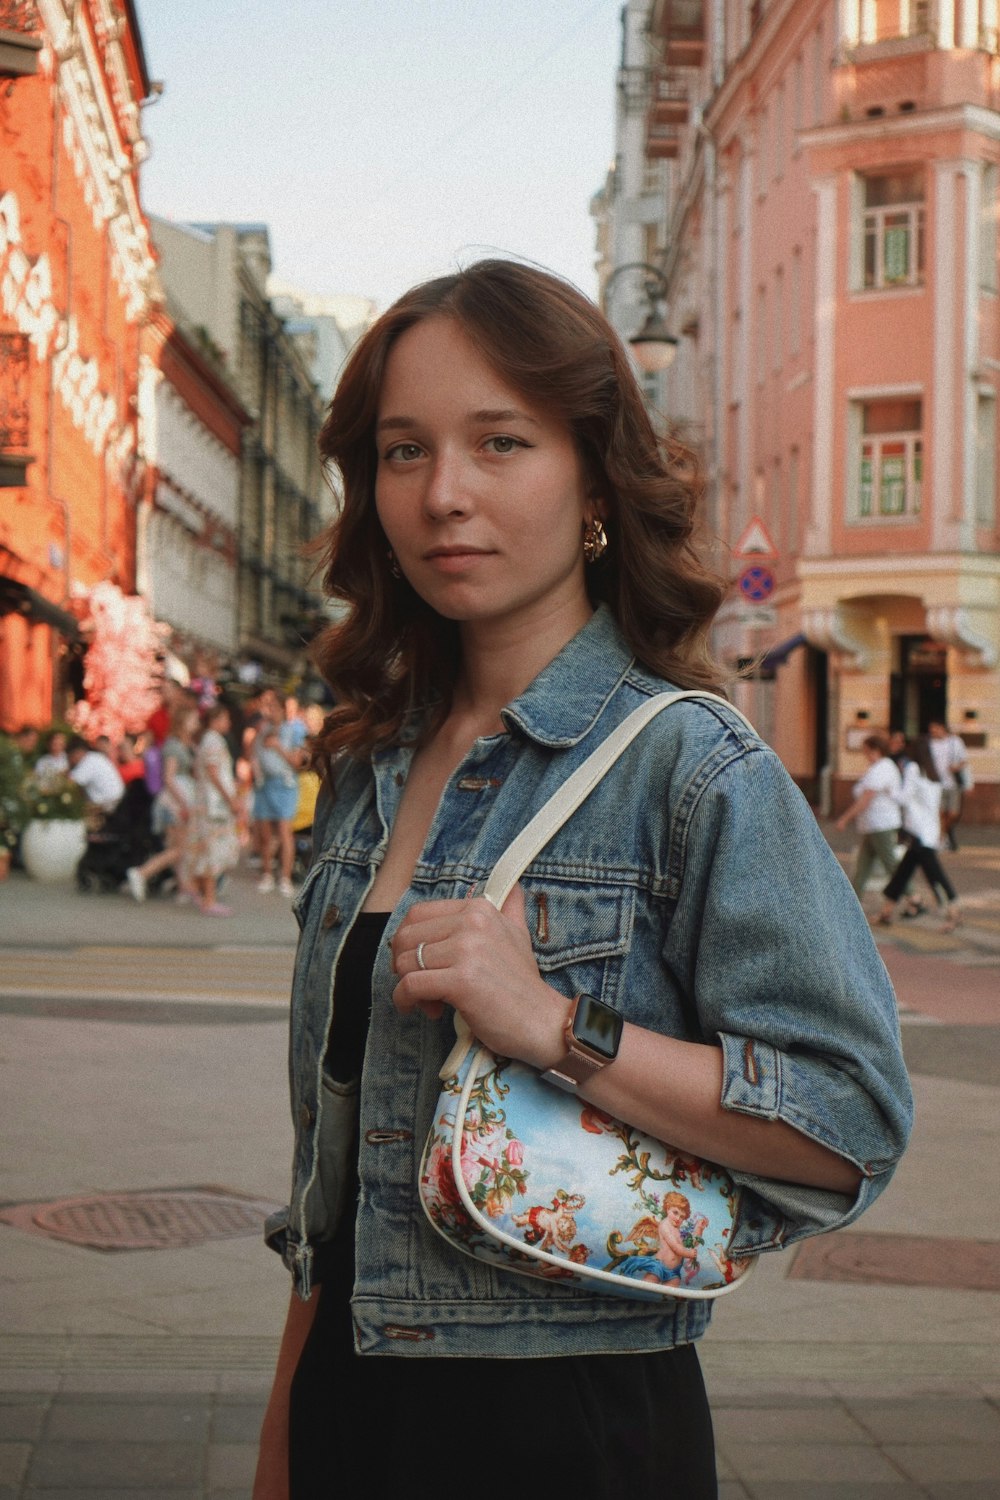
x: 277, y: 757
x: 173, y: 808
x: 952, y: 764
x: 96, y: 773
x: 54, y: 760
x: 920, y: 800
x: 214, y: 847
x: 875, y: 810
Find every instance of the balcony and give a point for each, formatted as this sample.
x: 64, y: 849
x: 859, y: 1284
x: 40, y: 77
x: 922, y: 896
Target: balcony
x: 20, y: 38
x: 662, y: 141
x: 681, y: 24
x: 670, y: 104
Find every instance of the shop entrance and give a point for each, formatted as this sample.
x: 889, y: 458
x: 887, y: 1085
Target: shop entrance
x: 918, y: 690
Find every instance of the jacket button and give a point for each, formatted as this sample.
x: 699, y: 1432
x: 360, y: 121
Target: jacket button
x: 400, y: 779
x: 331, y: 917
x: 307, y: 1117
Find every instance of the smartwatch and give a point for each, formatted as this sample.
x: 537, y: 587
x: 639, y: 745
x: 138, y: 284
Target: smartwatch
x: 592, y: 1034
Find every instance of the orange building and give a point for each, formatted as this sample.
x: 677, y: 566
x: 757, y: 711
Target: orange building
x: 827, y: 228
x: 75, y: 269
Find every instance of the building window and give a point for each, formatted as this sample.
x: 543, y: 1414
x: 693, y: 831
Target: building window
x: 894, y: 230
x: 885, y: 20
x: 889, y: 464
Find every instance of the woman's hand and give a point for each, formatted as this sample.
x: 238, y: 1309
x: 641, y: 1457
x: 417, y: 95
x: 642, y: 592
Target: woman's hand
x: 480, y: 961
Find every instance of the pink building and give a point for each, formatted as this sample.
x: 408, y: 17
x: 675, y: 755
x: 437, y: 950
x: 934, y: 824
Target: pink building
x: 830, y: 206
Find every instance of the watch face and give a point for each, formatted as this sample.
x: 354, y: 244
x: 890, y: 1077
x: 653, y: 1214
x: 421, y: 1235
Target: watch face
x: 597, y: 1026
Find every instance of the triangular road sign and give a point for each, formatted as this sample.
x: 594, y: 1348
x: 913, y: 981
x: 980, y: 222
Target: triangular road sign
x: 755, y: 541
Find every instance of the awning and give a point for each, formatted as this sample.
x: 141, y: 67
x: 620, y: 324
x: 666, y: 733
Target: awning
x: 778, y: 655
x: 18, y: 599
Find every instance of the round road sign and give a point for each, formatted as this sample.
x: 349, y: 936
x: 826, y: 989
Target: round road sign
x: 757, y: 584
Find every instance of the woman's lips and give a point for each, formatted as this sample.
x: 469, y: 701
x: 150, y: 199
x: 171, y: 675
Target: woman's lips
x: 455, y: 559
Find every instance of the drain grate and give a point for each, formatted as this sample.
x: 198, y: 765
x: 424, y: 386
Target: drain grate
x: 163, y: 1219
x: 899, y: 1260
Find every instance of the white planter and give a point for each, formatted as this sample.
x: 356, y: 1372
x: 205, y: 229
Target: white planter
x: 51, y: 851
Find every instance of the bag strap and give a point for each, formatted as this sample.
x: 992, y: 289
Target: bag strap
x: 576, y: 789
x: 557, y: 810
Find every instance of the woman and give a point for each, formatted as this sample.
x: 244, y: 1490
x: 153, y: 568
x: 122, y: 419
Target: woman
x: 277, y: 757
x: 920, y: 799
x: 172, y: 807
x: 214, y: 843
x: 55, y: 761
x: 875, y: 810
x: 491, y: 439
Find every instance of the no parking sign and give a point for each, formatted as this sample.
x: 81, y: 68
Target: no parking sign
x: 756, y: 583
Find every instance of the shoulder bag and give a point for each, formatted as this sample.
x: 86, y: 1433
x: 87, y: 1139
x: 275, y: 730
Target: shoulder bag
x: 528, y: 1178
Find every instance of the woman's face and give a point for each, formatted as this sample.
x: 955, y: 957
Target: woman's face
x: 480, y: 493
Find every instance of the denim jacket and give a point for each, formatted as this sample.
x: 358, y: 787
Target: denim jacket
x: 692, y: 891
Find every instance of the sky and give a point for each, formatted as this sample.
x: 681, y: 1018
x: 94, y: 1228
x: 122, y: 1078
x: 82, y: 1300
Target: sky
x: 385, y: 141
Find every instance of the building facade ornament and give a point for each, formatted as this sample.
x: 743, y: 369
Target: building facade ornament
x: 958, y: 627
x: 831, y: 630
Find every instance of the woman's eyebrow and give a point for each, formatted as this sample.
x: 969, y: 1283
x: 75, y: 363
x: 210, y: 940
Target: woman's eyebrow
x: 485, y: 414
x: 503, y: 414
x: 395, y: 424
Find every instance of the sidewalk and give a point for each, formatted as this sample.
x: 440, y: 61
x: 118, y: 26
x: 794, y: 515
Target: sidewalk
x: 848, y: 1369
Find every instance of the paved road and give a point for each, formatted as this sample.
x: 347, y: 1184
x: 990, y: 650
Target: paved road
x: 144, y: 1052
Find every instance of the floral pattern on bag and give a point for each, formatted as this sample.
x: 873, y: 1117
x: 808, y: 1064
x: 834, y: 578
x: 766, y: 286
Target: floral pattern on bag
x: 564, y: 1207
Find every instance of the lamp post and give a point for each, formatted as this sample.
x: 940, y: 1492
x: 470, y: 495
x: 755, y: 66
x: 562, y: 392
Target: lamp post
x: 653, y: 346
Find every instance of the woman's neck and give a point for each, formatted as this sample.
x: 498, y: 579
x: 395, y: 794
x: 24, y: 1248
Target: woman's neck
x: 501, y: 658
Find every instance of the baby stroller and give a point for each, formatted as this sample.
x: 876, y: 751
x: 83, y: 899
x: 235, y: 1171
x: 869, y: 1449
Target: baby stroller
x: 125, y: 838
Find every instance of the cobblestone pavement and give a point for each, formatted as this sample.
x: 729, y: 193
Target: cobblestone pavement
x: 144, y: 1050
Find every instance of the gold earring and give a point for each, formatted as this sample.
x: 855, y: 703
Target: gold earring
x: 595, y: 539
x: 393, y: 564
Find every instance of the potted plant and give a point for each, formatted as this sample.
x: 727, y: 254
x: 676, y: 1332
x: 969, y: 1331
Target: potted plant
x: 12, y: 810
x: 55, y: 834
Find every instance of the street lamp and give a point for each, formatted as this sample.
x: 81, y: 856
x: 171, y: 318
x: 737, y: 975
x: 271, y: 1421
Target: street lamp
x: 653, y: 346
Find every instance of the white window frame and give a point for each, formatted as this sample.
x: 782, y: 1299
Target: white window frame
x: 909, y: 220
x: 863, y: 491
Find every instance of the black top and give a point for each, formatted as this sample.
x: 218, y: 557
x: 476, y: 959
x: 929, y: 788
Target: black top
x: 352, y: 997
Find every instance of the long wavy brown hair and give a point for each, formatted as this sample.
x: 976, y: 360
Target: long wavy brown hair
x: 390, y: 654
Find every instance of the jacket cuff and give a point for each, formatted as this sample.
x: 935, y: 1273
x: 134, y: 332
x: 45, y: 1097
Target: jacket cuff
x: 774, y: 1214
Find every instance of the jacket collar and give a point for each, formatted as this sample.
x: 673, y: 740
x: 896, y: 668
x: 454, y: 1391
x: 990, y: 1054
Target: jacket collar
x: 564, y: 701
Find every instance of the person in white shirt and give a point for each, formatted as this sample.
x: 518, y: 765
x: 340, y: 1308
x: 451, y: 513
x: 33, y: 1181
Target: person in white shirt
x: 55, y: 761
x: 96, y: 774
x: 920, y: 799
x: 951, y: 763
x: 875, y: 810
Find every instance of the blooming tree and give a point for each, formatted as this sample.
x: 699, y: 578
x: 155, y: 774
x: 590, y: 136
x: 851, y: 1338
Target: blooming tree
x: 122, y: 673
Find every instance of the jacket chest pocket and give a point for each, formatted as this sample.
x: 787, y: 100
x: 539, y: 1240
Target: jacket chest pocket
x: 580, y: 934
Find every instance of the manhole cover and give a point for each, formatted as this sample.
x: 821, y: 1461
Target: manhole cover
x: 167, y: 1219
x: 899, y: 1260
